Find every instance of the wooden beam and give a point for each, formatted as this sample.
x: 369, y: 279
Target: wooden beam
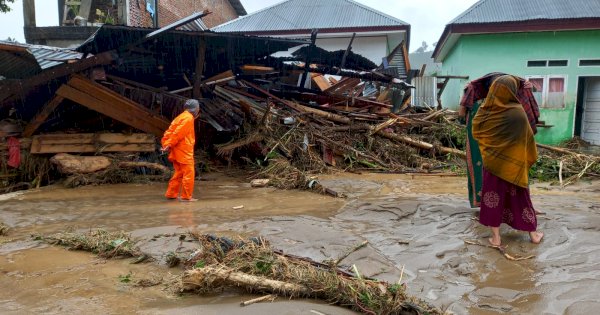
x: 116, y: 100
x: 348, y: 49
x: 129, y: 117
x: 439, y: 94
x: 197, y: 92
x: 41, y: 117
x: 89, y: 143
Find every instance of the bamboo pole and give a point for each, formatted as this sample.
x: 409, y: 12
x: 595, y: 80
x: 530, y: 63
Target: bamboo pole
x: 193, y: 279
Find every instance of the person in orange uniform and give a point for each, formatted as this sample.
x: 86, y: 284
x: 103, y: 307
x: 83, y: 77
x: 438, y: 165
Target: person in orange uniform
x: 179, y: 141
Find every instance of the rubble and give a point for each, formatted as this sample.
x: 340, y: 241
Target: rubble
x: 288, y: 119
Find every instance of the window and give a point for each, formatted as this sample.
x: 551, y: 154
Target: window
x: 547, y: 63
x: 536, y: 63
x: 549, y: 91
x: 557, y: 63
x: 556, y: 93
x: 538, y: 89
x: 589, y: 62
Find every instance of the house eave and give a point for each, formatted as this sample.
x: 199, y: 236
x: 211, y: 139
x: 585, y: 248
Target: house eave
x: 445, y: 44
x: 366, y: 29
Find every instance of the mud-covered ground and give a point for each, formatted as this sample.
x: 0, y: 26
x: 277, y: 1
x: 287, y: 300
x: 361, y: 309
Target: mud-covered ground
x: 416, y: 222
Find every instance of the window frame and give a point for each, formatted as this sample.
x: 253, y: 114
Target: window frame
x: 546, y: 88
x: 586, y: 59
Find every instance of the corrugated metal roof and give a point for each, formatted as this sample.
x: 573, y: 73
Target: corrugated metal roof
x: 18, y: 61
x: 309, y: 14
x: 196, y: 25
x: 495, y: 11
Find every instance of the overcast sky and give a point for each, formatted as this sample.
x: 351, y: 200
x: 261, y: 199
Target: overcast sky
x: 426, y: 17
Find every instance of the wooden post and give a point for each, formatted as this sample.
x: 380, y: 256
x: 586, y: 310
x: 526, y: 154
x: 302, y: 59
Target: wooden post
x: 197, y: 93
x: 439, y: 94
x: 29, y: 13
x: 307, y: 59
x: 346, y: 53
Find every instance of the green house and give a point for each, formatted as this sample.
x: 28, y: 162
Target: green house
x: 553, y: 43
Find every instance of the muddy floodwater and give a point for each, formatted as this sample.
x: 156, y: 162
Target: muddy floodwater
x: 419, y: 223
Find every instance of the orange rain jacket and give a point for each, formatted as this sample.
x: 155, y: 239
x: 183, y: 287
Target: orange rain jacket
x: 180, y: 137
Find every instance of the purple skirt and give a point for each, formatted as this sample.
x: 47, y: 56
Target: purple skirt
x: 503, y: 202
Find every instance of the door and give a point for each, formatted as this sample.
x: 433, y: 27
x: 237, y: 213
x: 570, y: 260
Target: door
x: 590, y: 130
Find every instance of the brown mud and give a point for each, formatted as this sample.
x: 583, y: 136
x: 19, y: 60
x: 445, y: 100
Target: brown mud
x: 416, y: 222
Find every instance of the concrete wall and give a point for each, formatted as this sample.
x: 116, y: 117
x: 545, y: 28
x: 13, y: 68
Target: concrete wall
x: 171, y: 11
x: 477, y: 55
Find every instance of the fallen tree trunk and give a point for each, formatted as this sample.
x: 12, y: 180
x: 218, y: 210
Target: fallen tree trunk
x: 421, y: 144
x: 197, y: 278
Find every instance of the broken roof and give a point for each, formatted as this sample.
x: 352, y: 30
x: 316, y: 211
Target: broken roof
x: 310, y: 14
x: 510, y: 16
x: 18, y: 61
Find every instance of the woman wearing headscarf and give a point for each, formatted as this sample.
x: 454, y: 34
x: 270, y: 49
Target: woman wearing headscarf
x: 473, y: 96
x: 508, y: 150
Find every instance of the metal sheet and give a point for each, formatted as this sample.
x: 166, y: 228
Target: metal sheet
x: 425, y: 92
x: 494, y: 11
x: 18, y: 61
x: 309, y: 14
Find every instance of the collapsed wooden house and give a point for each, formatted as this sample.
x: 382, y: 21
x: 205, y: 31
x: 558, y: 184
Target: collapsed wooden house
x: 125, y: 80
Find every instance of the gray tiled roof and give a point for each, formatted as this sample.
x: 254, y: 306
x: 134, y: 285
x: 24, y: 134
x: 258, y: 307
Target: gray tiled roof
x: 495, y: 11
x: 309, y: 14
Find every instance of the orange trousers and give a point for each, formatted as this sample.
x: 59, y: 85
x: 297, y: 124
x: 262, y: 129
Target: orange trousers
x: 182, y: 182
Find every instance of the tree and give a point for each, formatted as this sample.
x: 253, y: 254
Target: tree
x: 423, y: 47
x: 4, y: 5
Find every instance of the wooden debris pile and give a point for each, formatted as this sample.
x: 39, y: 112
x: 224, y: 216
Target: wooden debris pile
x: 564, y: 166
x: 254, y: 266
x: 289, y: 140
x: 101, y: 242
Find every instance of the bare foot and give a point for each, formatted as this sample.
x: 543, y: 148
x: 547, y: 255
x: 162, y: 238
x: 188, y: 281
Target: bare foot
x: 537, y: 212
x: 536, y: 237
x: 188, y: 200
x: 495, y: 243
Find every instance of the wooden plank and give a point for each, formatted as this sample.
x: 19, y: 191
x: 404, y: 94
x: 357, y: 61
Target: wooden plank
x: 89, y: 142
x: 91, y: 138
x: 220, y: 76
x: 197, y: 92
x: 41, y: 117
x: 117, y: 100
x: 129, y: 117
x: 321, y: 82
x: 41, y: 148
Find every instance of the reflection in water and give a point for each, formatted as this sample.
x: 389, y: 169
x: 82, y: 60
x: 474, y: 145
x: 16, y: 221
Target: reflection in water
x: 183, y: 217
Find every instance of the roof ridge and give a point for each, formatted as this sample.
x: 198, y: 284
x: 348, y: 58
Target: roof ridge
x: 376, y: 11
x: 473, y: 7
x: 360, y: 5
x: 250, y: 14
